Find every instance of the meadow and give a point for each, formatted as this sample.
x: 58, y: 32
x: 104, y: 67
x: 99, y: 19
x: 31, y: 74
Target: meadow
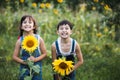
x: 97, y: 39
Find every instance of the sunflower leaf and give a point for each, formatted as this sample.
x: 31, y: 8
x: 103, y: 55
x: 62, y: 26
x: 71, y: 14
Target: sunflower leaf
x: 30, y: 63
x: 36, y: 68
x: 23, y: 71
x: 28, y: 78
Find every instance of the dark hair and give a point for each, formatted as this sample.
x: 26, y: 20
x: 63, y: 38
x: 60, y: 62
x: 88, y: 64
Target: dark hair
x: 65, y: 22
x: 30, y: 18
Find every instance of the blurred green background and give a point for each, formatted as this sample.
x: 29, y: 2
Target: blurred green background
x: 96, y: 28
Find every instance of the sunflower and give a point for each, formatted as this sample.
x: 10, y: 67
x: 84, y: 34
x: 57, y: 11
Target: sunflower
x: 30, y: 43
x: 62, y: 66
x: 60, y: 1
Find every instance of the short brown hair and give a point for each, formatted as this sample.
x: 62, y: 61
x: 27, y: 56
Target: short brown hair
x: 65, y: 22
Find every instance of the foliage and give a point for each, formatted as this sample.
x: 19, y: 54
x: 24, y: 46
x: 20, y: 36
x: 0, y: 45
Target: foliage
x: 34, y: 69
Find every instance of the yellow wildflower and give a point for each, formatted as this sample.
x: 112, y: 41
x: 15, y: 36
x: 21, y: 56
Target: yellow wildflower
x: 55, y: 11
x: 34, y: 5
x: 99, y: 34
x: 102, y: 3
x: 40, y: 10
x: 96, y: 1
x: 22, y: 1
x: 97, y: 48
x: 48, y: 5
x: 106, y: 7
x: 93, y: 8
x: 105, y: 29
x: 83, y: 7
x: 60, y: 1
x: 42, y: 5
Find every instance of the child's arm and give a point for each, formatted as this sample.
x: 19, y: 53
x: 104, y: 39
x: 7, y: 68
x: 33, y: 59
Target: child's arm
x: 16, y: 53
x: 79, y: 56
x: 43, y: 51
x: 53, y: 50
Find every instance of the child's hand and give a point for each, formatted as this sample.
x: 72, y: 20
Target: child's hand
x: 32, y: 58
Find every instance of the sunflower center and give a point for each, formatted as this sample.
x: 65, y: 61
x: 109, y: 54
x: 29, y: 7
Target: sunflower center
x: 30, y: 43
x: 63, y: 65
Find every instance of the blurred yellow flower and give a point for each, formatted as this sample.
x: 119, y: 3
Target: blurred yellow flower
x: 42, y: 5
x: 83, y: 7
x: 40, y: 10
x: 97, y: 48
x: 105, y: 29
x: 102, y: 3
x: 29, y: 43
x: 62, y: 66
x: 93, y: 8
x: 96, y: 0
x: 99, y: 34
x: 106, y: 7
x: 48, y: 5
x: 34, y: 5
x: 21, y: 1
x: 60, y: 1
x: 55, y: 11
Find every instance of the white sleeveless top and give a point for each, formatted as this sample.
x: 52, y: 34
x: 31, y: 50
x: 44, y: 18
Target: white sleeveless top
x: 66, y: 53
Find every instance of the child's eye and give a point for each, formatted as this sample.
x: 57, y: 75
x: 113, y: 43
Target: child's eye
x: 61, y: 28
x: 66, y: 28
x: 24, y: 22
x: 30, y: 22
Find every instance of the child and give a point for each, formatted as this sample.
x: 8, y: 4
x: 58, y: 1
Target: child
x: 67, y: 47
x: 28, y: 27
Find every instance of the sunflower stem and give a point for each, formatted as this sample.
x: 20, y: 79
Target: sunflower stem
x: 30, y: 72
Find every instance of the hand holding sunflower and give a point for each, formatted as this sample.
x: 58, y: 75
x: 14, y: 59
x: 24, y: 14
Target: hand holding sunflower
x: 30, y: 44
x: 32, y: 58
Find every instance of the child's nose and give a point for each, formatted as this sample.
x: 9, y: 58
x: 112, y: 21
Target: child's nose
x: 27, y: 23
x: 64, y: 29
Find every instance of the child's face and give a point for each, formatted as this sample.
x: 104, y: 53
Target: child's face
x: 28, y: 24
x: 64, y: 31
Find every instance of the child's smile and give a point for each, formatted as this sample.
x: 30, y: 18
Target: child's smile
x: 64, y: 31
x: 27, y: 25
x: 27, y: 28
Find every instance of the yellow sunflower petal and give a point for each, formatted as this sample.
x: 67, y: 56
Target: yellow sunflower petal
x: 67, y: 71
x: 62, y: 72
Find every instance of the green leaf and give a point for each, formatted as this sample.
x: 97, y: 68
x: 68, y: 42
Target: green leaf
x: 30, y: 63
x: 36, y: 68
x: 28, y: 78
x: 23, y: 71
